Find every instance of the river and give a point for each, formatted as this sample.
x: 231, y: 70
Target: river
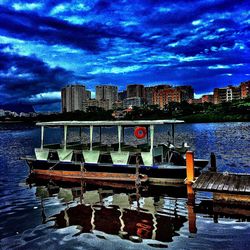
x: 90, y: 216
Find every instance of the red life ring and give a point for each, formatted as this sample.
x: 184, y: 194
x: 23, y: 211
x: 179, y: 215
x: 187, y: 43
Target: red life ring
x: 140, y: 132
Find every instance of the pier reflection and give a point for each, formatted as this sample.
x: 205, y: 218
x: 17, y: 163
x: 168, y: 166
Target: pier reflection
x: 133, y: 212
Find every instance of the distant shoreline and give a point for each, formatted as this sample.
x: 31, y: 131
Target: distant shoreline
x: 11, y: 122
x: 187, y: 119
x: 235, y: 111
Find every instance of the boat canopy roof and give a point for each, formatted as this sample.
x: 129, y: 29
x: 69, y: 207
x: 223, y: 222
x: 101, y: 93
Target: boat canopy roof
x: 109, y: 123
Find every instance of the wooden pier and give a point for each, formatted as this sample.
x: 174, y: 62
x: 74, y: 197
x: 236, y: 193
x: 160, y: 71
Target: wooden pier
x: 226, y: 187
x: 223, y: 183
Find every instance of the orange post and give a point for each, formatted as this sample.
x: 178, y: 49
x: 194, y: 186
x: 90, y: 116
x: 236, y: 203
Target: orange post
x: 190, y: 175
x: 190, y: 166
x: 191, y: 219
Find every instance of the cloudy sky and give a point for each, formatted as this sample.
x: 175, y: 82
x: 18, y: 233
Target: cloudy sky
x: 47, y: 44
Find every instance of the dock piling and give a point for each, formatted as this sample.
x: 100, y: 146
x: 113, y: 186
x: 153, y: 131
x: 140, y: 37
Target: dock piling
x: 190, y: 166
x: 190, y: 175
x: 213, y: 167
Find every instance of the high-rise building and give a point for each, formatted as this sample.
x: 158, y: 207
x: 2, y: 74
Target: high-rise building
x: 73, y: 98
x: 245, y: 89
x: 149, y: 95
x: 135, y: 90
x: 149, y: 91
x: 108, y: 93
x: 226, y: 94
x: 164, y: 95
x: 187, y: 92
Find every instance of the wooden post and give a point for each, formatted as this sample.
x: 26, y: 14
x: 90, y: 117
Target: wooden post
x: 190, y: 166
x: 213, y: 167
x: 190, y: 175
x: 191, y: 219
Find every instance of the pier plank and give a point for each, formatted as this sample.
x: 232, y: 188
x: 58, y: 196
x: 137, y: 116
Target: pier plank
x: 217, y: 182
x: 203, y: 182
x: 215, y: 177
x: 232, y: 183
x: 247, y: 188
x: 225, y: 183
x: 237, y: 183
x: 245, y: 181
x: 199, y: 180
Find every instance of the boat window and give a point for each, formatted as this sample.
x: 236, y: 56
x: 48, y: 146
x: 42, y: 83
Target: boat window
x: 164, y: 134
x: 109, y: 135
x: 106, y: 138
x: 53, y: 137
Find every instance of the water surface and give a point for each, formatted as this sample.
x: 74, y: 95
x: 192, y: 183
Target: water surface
x: 52, y: 215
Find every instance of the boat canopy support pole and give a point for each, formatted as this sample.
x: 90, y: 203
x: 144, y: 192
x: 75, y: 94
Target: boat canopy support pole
x: 42, y: 136
x: 91, y: 137
x: 65, y: 137
x: 119, y: 137
x: 151, y: 138
x: 100, y: 134
x: 173, y: 139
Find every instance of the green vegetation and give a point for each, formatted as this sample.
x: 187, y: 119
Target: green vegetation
x: 207, y: 112
x: 238, y: 110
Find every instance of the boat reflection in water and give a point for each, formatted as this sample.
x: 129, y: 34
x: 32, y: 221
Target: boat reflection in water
x: 154, y: 214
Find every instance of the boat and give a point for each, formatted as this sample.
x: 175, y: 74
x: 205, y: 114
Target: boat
x: 117, y: 161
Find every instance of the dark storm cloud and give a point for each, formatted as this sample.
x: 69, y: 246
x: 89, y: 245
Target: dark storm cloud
x: 23, y: 77
x: 184, y: 12
x: 28, y: 25
x: 49, y: 43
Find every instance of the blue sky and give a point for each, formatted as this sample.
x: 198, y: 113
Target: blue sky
x: 47, y: 44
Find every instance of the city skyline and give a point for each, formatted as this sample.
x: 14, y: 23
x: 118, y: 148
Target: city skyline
x: 46, y: 45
